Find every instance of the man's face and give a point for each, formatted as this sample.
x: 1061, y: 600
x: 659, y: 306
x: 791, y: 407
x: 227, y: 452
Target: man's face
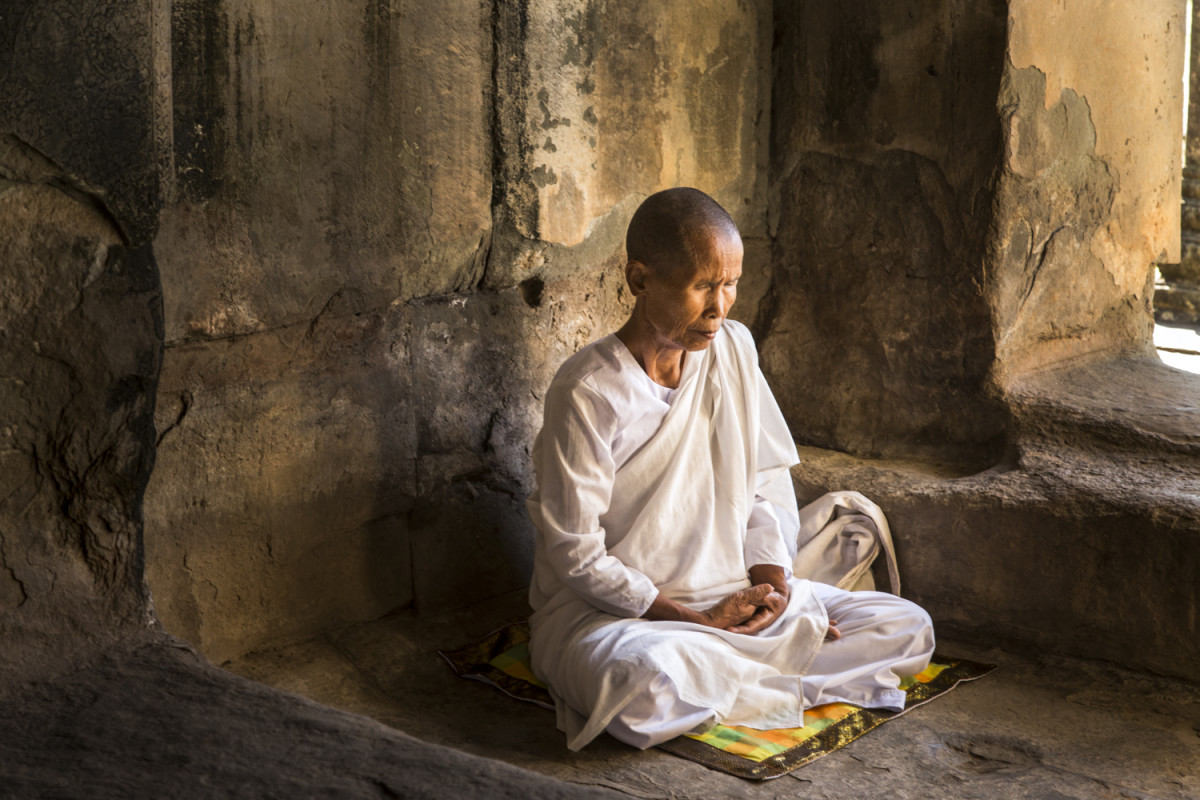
x: 685, y: 306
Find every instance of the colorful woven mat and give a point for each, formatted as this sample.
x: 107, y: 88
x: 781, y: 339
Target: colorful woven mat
x: 502, y: 659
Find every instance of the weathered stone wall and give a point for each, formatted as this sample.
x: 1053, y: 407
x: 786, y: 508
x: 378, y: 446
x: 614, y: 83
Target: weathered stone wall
x: 382, y: 225
x: 965, y: 192
x: 80, y: 330
x: 884, y: 144
x: 387, y: 223
x: 1089, y: 186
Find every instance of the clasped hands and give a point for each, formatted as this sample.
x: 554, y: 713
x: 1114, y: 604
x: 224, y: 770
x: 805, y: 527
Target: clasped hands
x: 749, y: 610
x: 746, y: 611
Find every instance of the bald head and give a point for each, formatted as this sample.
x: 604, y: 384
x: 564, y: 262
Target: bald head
x: 671, y: 228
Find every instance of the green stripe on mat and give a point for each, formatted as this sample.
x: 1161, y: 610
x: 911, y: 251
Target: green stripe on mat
x: 502, y: 659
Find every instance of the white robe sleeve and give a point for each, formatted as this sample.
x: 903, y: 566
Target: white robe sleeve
x: 575, y: 472
x: 765, y: 543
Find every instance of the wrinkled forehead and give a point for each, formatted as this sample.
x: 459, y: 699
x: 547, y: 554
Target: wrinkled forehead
x: 708, y: 247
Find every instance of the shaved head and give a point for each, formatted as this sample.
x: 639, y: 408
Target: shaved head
x: 671, y: 227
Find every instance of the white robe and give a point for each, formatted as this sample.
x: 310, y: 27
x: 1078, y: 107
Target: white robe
x: 643, y: 490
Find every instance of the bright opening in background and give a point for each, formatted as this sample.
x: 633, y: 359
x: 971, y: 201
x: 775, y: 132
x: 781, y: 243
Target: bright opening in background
x: 1177, y: 300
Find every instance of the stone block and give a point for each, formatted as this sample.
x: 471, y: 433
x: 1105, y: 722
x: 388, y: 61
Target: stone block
x: 337, y: 150
x: 80, y: 86
x: 285, y: 474
x: 602, y: 100
x: 874, y: 339
x: 875, y: 334
x: 859, y: 78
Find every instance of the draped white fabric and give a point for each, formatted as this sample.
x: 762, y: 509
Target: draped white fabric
x: 640, y: 493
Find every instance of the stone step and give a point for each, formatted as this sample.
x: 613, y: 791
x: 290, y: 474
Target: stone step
x: 1103, y: 456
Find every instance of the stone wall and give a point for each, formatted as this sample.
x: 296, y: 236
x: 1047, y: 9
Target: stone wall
x: 1089, y: 187
x: 80, y: 330
x: 385, y: 226
x: 965, y: 192
x: 883, y: 149
x: 381, y: 225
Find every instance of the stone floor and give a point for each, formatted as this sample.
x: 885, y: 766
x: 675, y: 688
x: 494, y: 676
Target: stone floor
x: 149, y: 718
x: 1035, y: 728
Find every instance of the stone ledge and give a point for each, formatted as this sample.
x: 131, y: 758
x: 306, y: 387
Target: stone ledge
x: 1086, y: 542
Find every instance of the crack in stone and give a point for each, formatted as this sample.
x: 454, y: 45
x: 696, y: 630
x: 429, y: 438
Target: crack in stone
x: 185, y: 405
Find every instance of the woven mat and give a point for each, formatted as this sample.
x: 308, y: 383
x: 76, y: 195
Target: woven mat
x: 502, y: 659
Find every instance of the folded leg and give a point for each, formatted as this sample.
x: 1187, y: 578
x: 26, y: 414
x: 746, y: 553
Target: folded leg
x: 883, y: 638
x: 657, y: 715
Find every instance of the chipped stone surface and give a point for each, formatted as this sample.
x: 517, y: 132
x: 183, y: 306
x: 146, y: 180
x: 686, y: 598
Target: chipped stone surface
x: 80, y: 347
x: 1133, y: 88
x: 613, y: 100
x: 1060, y: 288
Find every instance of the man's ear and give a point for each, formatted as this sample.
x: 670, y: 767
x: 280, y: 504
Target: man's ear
x: 635, y: 275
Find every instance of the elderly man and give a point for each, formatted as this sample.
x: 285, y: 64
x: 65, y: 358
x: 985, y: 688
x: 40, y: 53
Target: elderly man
x: 662, y: 591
